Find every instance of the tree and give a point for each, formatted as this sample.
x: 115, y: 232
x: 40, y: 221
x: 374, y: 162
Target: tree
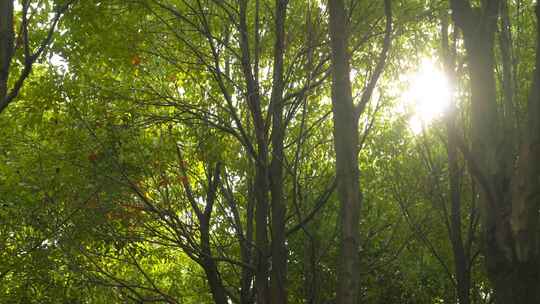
x: 509, y: 206
x: 346, y: 143
x: 185, y: 153
x: 10, y: 43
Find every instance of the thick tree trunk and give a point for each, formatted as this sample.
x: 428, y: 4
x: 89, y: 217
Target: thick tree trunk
x: 515, y: 282
x: 508, y: 81
x: 278, y: 277
x: 346, y: 148
x: 510, y: 202
x: 6, y: 46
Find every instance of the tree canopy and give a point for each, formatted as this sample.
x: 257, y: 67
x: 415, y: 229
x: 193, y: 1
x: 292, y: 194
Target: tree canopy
x: 269, y: 151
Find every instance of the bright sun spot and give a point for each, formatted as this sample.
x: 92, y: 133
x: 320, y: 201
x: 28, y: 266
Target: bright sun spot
x: 427, y: 96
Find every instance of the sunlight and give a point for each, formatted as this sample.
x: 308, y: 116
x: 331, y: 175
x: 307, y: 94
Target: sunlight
x: 59, y: 62
x: 428, y: 95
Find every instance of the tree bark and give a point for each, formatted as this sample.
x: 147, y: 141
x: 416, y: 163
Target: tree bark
x: 204, y: 255
x: 6, y: 45
x: 508, y: 82
x: 261, y: 184
x: 209, y: 265
x: 247, y: 250
x: 278, y: 277
x: 509, y: 201
x: 346, y: 147
x: 312, y: 273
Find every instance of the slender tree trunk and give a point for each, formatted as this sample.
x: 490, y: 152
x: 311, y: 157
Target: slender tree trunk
x: 312, y: 274
x: 204, y: 255
x: 346, y: 148
x: 312, y: 242
x: 247, y: 251
x: 261, y: 185
x: 278, y: 278
x: 461, y: 267
x: 261, y: 226
x: 508, y: 82
x: 209, y: 265
x: 6, y: 46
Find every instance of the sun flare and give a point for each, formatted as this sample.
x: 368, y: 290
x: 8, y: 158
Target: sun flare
x: 428, y: 95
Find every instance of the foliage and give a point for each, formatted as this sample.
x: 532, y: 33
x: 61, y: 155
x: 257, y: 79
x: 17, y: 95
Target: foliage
x: 110, y: 155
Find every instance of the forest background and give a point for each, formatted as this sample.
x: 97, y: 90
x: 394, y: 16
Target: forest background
x: 269, y: 151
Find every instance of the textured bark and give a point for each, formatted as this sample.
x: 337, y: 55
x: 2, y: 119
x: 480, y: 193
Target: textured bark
x: 278, y: 276
x: 346, y: 145
x: 526, y: 181
x: 6, y: 45
x: 509, y: 201
x: 522, y: 277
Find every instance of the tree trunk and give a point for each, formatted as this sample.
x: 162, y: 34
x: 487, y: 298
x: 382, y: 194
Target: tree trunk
x: 261, y: 226
x: 312, y: 273
x: 261, y: 185
x: 508, y: 81
x: 6, y: 46
x: 209, y: 265
x: 516, y: 283
x: 204, y: 255
x: 517, y: 280
x: 278, y: 278
x: 246, y: 252
x: 509, y: 202
x: 461, y: 267
x: 346, y: 147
